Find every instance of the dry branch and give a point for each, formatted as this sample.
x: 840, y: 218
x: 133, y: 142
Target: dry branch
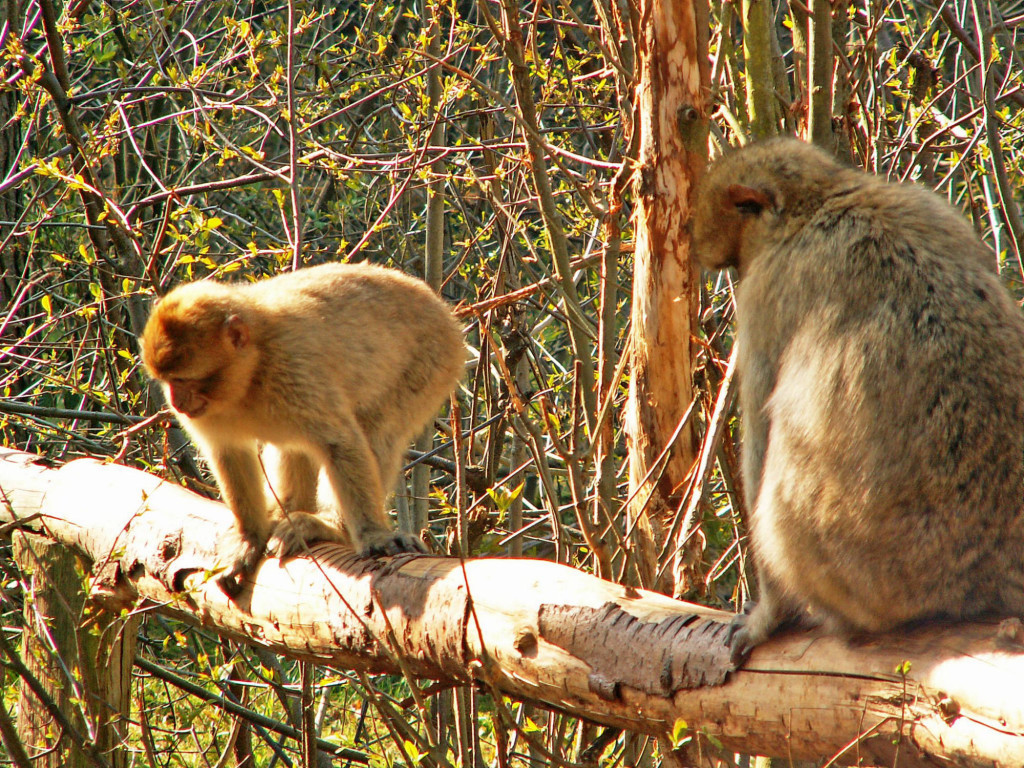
x: 543, y: 632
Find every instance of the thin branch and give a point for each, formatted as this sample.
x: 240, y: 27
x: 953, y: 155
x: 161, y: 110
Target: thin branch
x: 948, y: 16
x: 1009, y: 207
x: 105, y: 417
x: 237, y: 710
x: 11, y: 741
x: 686, y: 522
x: 16, y: 665
x: 523, y: 85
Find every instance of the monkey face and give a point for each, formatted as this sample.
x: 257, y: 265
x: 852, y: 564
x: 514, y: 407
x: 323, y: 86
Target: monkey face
x: 199, y: 352
x: 202, y: 381
x: 722, y: 220
x: 192, y: 397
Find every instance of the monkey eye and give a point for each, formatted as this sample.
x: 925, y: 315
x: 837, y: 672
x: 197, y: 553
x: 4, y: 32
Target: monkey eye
x: 205, y: 384
x: 749, y: 207
x: 185, y: 381
x: 747, y: 200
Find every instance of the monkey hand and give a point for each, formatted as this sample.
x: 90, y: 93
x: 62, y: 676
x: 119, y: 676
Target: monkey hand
x: 250, y: 553
x: 387, y: 542
x: 297, y: 531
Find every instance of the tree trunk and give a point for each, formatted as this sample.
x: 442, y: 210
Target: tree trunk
x: 13, y: 259
x: 545, y: 633
x: 672, y: 96
x: 54, y: 597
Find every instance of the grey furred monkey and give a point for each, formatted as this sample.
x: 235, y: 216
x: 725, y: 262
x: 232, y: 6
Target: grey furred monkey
x: 881, y: 365
x: 337, y: 366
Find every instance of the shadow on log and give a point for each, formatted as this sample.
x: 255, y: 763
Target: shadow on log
x: 543, y: 632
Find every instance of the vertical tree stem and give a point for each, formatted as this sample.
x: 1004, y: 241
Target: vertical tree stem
x: 819, y: 75
x: 294, y: 186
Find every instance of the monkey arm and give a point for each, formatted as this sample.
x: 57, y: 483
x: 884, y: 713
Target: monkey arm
x: 296, y: 481
x: 240, y: 478
x: 241, y: 484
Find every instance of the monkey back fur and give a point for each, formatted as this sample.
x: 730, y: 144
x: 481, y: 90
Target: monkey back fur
x: 880, y: 364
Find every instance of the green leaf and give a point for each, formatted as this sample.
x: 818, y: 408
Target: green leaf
x: 680, y: 734
x: 503, y: 498
x: 530, y: 727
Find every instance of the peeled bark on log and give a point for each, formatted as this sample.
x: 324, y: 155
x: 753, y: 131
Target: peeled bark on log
x: 545, y: 633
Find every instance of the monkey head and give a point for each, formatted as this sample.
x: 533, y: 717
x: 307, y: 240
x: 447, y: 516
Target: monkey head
x: 755, y: 196
x: 198, y: 345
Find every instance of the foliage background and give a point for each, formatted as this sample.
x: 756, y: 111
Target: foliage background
x: 149, y: 143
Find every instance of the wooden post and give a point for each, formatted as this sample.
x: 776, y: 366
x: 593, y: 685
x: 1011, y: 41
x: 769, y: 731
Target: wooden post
x: 80, y: 655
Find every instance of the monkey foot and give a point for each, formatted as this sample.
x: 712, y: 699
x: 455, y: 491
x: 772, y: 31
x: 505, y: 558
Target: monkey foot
x: 757, y: 622
x: 390, y: 543
x: 740, y: 638
x: 295, y: 533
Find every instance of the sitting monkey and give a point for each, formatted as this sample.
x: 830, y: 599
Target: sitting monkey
x: 880, y: 364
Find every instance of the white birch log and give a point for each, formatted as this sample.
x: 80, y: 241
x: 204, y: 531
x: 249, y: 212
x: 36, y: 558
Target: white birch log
x: 543, y: 632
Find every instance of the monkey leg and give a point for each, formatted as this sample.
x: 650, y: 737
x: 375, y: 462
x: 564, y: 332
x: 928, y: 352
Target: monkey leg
x: 388, y: 451
x: 297, y: 475
x: 388, y: 455
x: 355, y: 477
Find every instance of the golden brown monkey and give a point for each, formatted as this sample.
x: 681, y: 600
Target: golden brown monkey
x: 338, y: 366
x: 880, y: 364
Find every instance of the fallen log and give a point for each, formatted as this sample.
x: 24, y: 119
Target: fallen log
x: 542, y: 632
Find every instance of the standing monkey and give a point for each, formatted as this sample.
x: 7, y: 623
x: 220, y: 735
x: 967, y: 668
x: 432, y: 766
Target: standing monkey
x: 880, y: 364
x: 338, y: 366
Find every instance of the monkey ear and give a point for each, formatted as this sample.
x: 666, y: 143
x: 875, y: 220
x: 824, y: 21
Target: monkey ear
x: 748, y: 199
x: 237, y: 331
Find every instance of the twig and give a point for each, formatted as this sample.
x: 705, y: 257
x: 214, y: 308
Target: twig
x: 11, y: 741
x: 987, y: 76
x: 238, y: 710
x: 966, y: 40
x: 685, y: 522
x: 107, y: 417
x: 15, y: 663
